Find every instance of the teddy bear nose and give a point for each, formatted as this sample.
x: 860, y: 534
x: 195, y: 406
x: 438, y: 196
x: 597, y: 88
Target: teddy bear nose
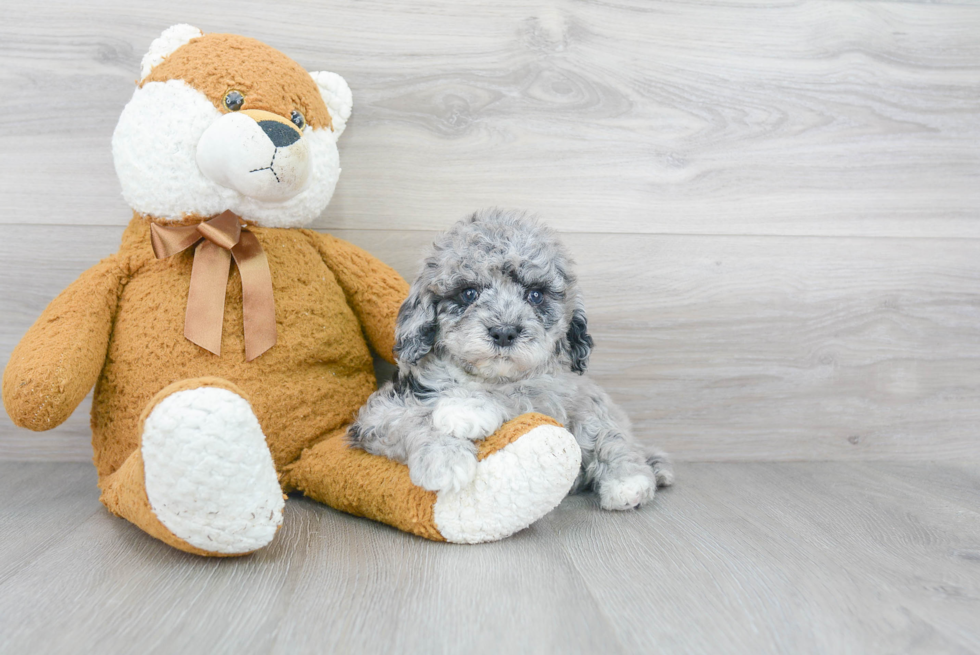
x: 281, y: 135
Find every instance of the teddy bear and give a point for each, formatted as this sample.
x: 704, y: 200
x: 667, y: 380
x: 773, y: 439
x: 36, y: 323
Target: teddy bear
x: 230, y: 347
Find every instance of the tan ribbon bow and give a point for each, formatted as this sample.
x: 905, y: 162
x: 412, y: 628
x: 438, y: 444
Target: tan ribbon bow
x: 222, y: 238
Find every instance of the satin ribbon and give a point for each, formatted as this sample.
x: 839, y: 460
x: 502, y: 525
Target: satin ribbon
x: 218, y: 241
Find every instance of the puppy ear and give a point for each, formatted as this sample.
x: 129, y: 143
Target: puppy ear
x: 338, y: 97
x: 415, y: 331
x: 577, y: 342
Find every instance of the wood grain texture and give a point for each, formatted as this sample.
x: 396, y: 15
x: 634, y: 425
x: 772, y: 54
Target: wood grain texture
x: 833, y: 558
x: 719, y: 348
x: 790, y: 118
x: 774, y: 205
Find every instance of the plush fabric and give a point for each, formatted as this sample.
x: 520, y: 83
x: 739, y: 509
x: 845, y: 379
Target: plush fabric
x: 216, y: 63
x: 181, y: 435
x: 355, y: 482
x: 309, y: 384
x: 179, y: 100
x: 510, y: 432
x: 124, y: 492
x: 58, y: 361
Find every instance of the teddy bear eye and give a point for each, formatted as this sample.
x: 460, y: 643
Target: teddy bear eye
x: 234, y: 100
x: 298, y: 119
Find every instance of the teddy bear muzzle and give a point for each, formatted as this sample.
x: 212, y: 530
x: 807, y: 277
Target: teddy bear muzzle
x: 257, y: 153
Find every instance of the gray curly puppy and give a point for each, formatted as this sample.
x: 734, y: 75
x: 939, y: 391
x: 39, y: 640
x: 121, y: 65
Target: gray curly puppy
x: 495, y: 326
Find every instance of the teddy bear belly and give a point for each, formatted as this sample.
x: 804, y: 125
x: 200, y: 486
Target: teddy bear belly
x: 310, y: 383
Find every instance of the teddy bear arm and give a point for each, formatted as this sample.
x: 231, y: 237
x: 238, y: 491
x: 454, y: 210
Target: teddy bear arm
x: 60, y: 358
x: 374, y: 290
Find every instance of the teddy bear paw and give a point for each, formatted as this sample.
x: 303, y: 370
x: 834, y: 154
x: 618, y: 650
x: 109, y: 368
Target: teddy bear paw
x: 512, y: 488
x: 210, y: 478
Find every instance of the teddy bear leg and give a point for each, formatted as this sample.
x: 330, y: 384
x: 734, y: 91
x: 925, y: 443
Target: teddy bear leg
x: 525, y: 469
x: 202, y: 479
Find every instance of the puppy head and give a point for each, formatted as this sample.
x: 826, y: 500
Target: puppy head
x: 220, y: 121
x: 496, y: 295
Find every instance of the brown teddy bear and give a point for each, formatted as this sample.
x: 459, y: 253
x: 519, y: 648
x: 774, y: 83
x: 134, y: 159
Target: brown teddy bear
x: 227, y: 344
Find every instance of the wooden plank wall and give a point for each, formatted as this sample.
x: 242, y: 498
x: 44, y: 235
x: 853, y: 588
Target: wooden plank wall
x: 775, y: 206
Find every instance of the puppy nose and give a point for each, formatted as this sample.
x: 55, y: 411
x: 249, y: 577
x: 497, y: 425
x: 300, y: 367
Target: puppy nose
x: 280, y: 135
x: 504, y: 335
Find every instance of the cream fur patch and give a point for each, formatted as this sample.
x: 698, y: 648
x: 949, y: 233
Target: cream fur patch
x: 237, y: 154
x: 466, y: 418
x: 513, y: 488
x: 154, y: 148
x: 627, y: 493
x: 171, y: 39
x: 337, y: 95
x: 209, y: 476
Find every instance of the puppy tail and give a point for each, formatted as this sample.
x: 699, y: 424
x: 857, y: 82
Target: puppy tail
x: 663, y: 469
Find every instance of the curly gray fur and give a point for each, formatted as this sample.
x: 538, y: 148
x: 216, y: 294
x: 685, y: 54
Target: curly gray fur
x: 493, y: 327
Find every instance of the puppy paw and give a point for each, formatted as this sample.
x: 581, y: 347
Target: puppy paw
x: 443, y: 467
x: 663, y: 470
x: 626, y: 493
x: 465, y: 418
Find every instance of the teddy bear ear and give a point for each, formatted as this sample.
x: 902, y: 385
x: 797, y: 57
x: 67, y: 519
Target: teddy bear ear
x: 338, y: 97
x: 171, y: 39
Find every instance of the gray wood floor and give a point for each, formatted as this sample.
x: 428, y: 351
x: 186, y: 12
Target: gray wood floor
x: 738, y: 558
x: 775, y: 210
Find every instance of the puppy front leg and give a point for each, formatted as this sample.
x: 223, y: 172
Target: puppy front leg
x: 467, y: 417
x: 401, y: 428
x: 444, y: 458
x: 440, y: 462
x: 436, y: 461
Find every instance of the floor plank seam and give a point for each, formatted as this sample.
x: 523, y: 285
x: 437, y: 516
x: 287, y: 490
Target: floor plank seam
x: 713, y: 235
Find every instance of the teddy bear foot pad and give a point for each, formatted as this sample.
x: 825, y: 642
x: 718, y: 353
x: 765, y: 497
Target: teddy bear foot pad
x: 210, y: 479
x: 513, y: 488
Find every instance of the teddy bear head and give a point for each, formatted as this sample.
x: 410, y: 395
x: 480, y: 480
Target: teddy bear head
x: 223, y: 122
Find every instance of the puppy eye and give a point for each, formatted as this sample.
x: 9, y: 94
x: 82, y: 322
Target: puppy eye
x: 535, y: 297
x: 469, y: 296
x: 297, y: 119
x: 234, y: 100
